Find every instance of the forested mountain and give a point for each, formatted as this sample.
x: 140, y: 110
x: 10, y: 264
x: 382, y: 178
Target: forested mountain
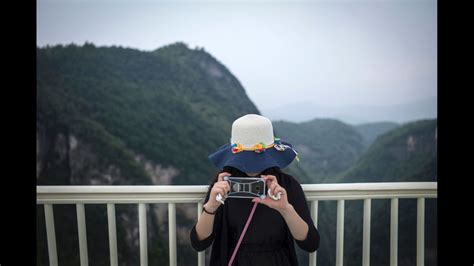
x: 141, y: 117
x: 405, y: 154
x: 117, y: 116
x: 327, y: 146
x: 371, y: 131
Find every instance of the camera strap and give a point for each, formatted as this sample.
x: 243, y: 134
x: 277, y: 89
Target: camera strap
x: 242, y: 234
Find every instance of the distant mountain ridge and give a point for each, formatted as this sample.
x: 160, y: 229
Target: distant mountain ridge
x: 355, y: 114
x: 329, y: 147
x: 407, y: 153
x: 371, y: 131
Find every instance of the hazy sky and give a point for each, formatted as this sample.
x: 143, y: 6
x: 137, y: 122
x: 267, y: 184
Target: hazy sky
x: 325, y: 52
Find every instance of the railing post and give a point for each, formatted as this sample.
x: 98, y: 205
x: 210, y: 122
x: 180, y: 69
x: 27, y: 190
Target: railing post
x: 420, y: 232
x: 314, y: 216
x: 112, y: 234
x: 82, y: 232
x: 394, y: 232
x: 366, y: 237
x: 143, y: 234
x: 340, y: 233
x: 201, y: 254
x: 50, y: 234
x: 172, y: 232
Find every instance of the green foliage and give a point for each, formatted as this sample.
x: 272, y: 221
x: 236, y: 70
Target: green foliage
x: 326, y: 146
x: 389, y: 159
x: 371, y: 131
x: 407, y: 153
x: 173, y: 105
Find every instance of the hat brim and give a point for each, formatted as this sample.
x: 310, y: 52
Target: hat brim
x: 252, y: 162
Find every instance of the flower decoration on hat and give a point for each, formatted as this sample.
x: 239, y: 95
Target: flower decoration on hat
x: 236, y: 148
x: 259, y: 148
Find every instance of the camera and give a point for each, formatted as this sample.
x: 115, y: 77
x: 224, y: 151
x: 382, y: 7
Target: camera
x: 246, y: 187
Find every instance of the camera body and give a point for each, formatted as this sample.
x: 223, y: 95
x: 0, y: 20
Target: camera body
x: 246, y: 187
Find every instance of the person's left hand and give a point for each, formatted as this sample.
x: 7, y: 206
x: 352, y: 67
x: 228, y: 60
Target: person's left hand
x: 274, y: 188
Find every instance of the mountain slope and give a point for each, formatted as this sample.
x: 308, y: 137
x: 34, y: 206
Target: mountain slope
x: 408, y: 153
x: 405, y: 154
x: 135, y: 108
x: 110, y: 115
x: 371, y: 131
x: 326, y: 146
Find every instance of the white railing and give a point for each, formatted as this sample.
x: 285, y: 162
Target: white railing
x: 142, y: 195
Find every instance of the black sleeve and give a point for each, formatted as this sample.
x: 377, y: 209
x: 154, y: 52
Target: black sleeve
x: 297, y: 198
x: 200, y: 245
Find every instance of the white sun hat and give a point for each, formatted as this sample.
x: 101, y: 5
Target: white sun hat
x: 253, y: 147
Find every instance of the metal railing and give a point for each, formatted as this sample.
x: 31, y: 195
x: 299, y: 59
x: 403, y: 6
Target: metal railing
x: 172, y: 195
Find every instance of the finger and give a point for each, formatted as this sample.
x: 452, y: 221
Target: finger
x: 216, y: 190
x: 221, y: 176
x: 221, y: 183
x: 270, y: 179
x: 259, y: 200
x: 219, y: 187
x: 267, y: 181
x: 219, y: 191
x: 273, y: 186
x: 224, y: 191
x: 279, y: 190
x: 265, y: 201
x: 224, y: 185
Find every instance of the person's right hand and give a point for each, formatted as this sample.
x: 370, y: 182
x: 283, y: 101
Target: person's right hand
x: 220, y: 187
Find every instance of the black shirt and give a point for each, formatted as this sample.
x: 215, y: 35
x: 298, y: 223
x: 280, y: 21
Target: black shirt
x: 268, y: 240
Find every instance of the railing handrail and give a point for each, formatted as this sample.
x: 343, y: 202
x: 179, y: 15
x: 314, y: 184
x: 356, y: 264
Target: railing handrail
x: 195, y: 193
x: 171, y: 194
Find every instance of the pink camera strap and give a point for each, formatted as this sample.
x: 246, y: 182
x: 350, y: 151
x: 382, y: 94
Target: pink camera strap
x: 242, y: 234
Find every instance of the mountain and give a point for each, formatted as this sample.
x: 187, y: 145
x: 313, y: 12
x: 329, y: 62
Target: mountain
x: 355, y: 114
x: 407, y: 153
x: 326, y: 146
x: 118, y: 116
x: 142, y: 117
x: 371, y: 131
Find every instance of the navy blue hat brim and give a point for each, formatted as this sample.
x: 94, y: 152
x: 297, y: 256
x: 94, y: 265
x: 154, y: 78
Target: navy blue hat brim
x: 250, y: 161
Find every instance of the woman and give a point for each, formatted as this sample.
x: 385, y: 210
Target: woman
x: 254, y: 151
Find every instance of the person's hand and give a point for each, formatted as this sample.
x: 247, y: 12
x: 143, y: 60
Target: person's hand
x: 220, y: 187
x: 274, y: 188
